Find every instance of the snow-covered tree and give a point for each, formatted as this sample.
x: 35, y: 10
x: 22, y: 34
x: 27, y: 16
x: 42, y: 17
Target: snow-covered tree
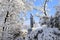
x: 9, y: 16
x: 57, y: 17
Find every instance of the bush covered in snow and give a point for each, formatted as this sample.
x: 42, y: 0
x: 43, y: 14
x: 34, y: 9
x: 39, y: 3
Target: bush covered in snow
x: 44, y: 34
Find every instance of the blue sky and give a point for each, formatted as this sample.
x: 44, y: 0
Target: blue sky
x: 51, y: 5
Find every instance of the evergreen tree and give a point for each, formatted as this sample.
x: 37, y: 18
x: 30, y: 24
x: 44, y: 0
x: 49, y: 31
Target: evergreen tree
x: 57, y: 17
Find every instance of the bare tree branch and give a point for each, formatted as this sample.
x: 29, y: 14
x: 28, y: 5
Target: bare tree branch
x: 45, y: 7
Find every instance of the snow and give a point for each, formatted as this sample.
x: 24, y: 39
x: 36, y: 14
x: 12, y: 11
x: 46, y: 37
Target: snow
x: 41, y: 33
x: 45, y: 33
x: 13, y: 25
